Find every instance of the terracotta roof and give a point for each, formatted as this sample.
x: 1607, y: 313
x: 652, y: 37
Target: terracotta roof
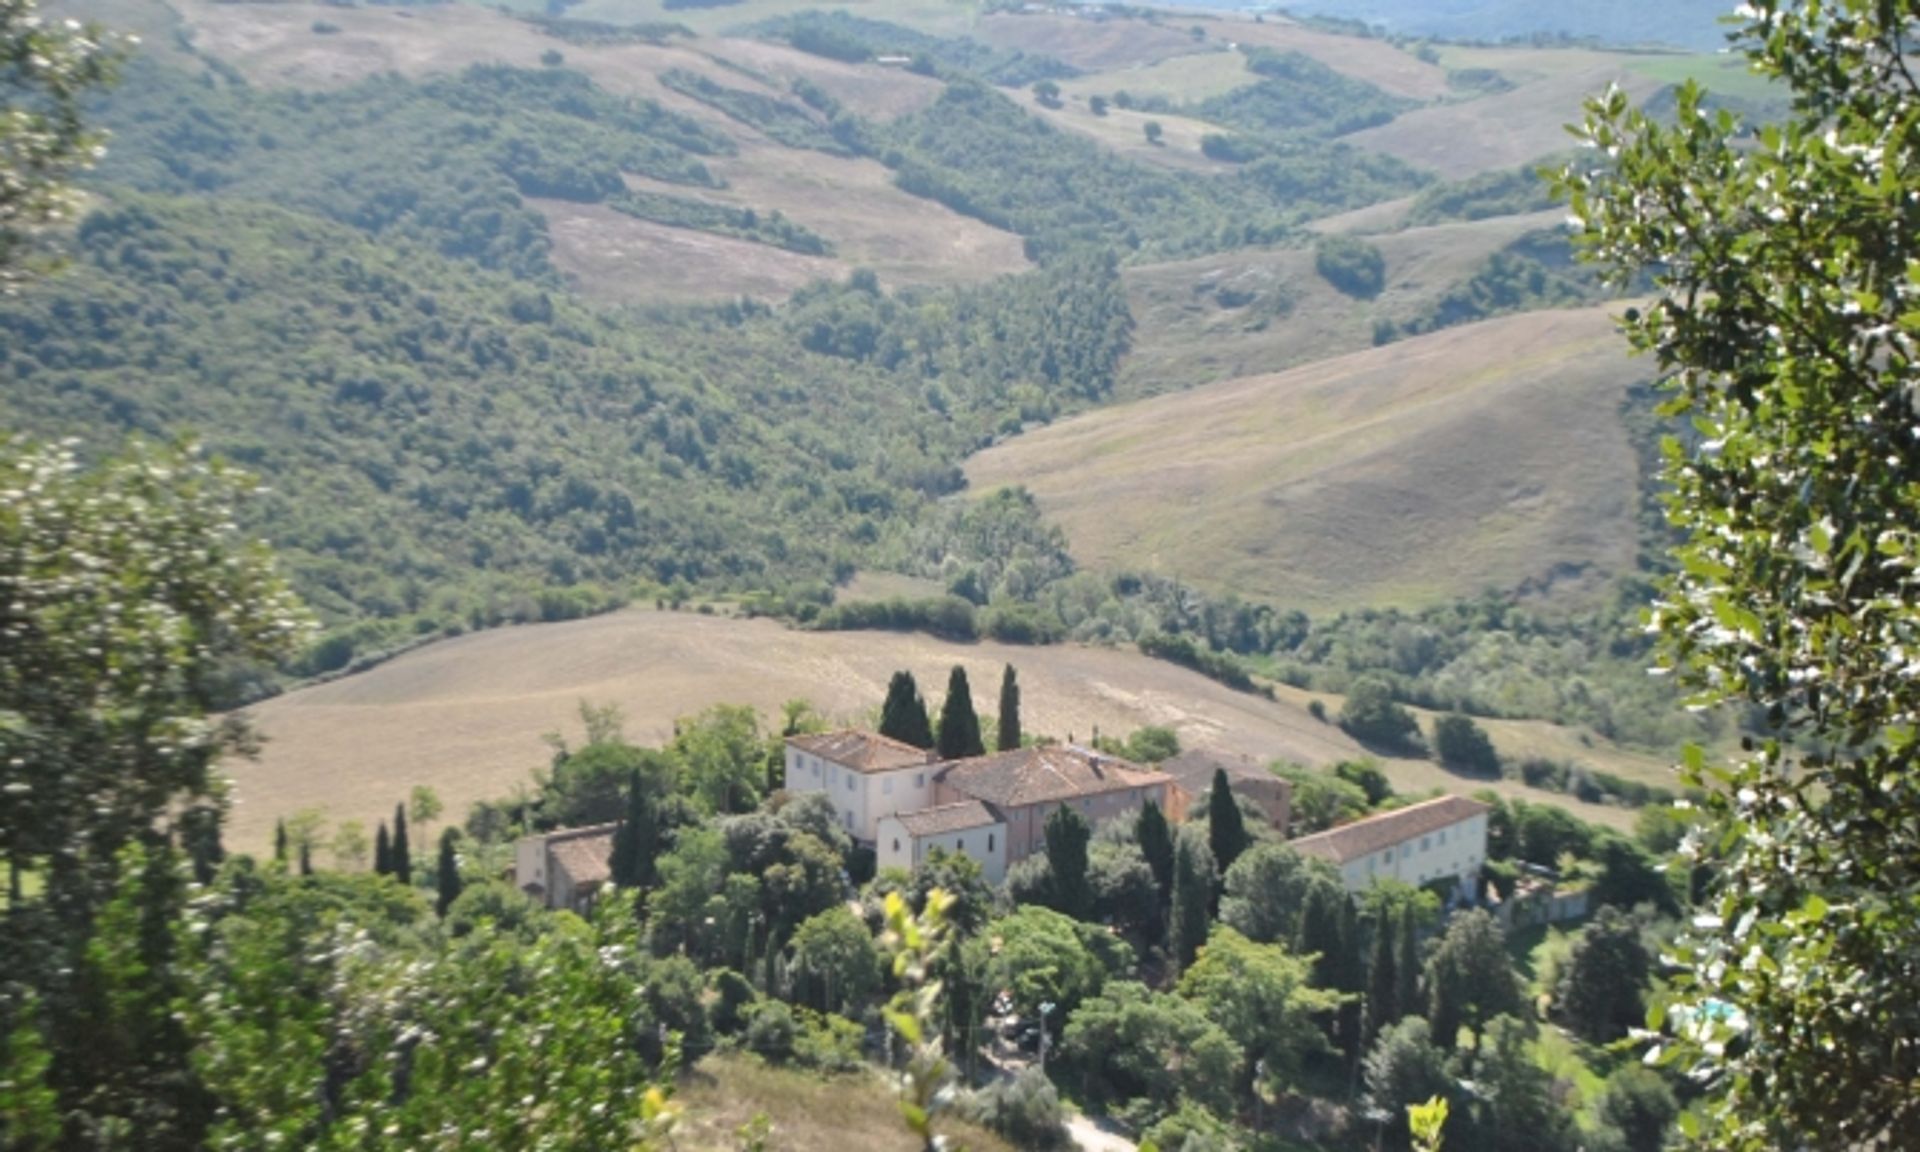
x: 584, y: 854
x: 1376, y: 833
x: 947, y: 818
x: 1039, y: 775
x: 1193, y: 769
x: 861, y: 751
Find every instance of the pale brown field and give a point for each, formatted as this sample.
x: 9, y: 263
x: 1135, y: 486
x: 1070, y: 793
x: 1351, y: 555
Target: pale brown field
x: 1500, y: 131
x: 465, y: 716
x: 867, y: 90
x: 1376, y: 61
x: 809, y: 1112
x: 1088, y: 44
x: 1125, y: 132
x: 1382, y: 217
x: 1186, y: 336
x: 612, y: 256
x: 1489, y: 455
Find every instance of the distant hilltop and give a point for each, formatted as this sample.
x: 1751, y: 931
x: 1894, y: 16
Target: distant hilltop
x: 1692, y: 24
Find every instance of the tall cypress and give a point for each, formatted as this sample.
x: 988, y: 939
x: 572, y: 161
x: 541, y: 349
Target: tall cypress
x: 382, y: 852
x: 636, y: 842
x: 1193, y: 880
x: 1406, y: 963
x: 447, y: 875
x: 1067, y: 838
x: 1009, y: 711
x: 306, y: 858
x: 959, y: 724
x: 1226, y: 828
x: 280, y: 841
x: 1383, y: 982
x: 904, y: 716
x: 402, y: 858
x: 1156, y: 844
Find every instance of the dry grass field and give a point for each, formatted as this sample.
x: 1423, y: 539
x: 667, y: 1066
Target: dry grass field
x: 1488, y: 455
x: 1376, y: 61
x: 1194, y: 76
x: 1188, y: 334
x: 612, y: 256
x: 809, y: 1112
x: 466, y: 716
x: 1500, y: 131
x: 1091, y: 45
x: 1124, y: 132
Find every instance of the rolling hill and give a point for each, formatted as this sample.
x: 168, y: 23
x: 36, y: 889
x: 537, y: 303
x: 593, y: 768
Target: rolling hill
x: 1488, y: 455
x: 465, y: 716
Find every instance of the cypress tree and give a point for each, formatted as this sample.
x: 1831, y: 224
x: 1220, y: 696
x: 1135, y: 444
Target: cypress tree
x: 280, y: 841
x: 959, y: 724
x: 1383, y: 982
x: 382, y: 852
x: 904, y: 715
x: 402, y: 858
x: 1010, y: 712
x: 1067, y: 838
x: 306, y: 859
x: 1193, y: 880
x: 1406, y: 964
x: 1156, y: 844
x: 1226, y: 828
x: 636, y: 842
x: 447, y: 875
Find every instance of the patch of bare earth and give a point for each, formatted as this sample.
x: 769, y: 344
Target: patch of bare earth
x: 1377, y: 62
x: 614, y: 256
x: 1504, y: 130
x: 465, y: 716
x: 1090, y: 42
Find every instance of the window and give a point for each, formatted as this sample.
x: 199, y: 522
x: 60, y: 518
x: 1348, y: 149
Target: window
x: 814, y: 765
x: 1443, y: 835
x: 920, y: 780
x: 960, y: 844
x: 1425, y: 842
x: 989, y: 841
x: 849, y: 781
x: 1387, y: 856
x: 896, y: 845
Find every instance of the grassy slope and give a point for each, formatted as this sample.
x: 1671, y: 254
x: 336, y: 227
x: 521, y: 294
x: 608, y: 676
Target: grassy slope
x: 1480, y: 456
x: 465, y: 716
x: 851, y: 202
x: 1186, y: 335
x: 809, y: 1113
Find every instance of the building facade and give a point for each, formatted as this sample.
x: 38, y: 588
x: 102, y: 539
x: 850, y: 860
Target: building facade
x: 565, y: 869
x: 1441, y: 839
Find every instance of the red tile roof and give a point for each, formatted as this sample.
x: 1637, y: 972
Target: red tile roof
x: 1376, y: 833
x: 861, y: 751
x: 947, y: 818
x: 1044, y: 774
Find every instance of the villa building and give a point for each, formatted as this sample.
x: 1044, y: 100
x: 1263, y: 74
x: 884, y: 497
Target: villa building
x: 1440, y: 839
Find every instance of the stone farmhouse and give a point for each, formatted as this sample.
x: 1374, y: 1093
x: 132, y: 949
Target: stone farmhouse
x: 1439, y: 839
x: 905, y: 802
x: 567, y: 868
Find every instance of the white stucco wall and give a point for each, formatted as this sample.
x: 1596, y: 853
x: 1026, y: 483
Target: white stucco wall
x: 898, y: 848
x: 861, y: 798
x: 1454, y: 851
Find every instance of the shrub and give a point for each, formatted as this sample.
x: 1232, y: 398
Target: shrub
x: 1353, y: 266
x: 1373, y: 717
x: 1024, y: 1108
x: 1463, y: 745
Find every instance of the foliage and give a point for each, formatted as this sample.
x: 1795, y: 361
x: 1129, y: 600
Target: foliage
x: 1470, y: 978
x: 1155, y: 837
x: 1129, y: 1044
x: 1067, y: 835
x: 1008, y: 735
x: 839, y: 35
x: 1297, y: 94
x: 1372, y: 716
x: 1510, y: 192
x: 835, y: 964
x: 1516, y: 1108
x: 124, y: 591
x: 1350, y: 264
x: 1321, y: 799
x: 903, y: 715
x: 778, y: 120
x: 45, y: 140
x: 1263, y: 997
x: 447, y: 880
x: 1464, y: 746
x: 1784, y: 324
x: 1194, y: 878
x: 1125, y: 893
x: 1227, y: 834
x: 1404, y: 1068
x: 1045, y: 957
x: 1214, y: 665
x: 1604, y: 978
x: 722, y: 220
x: 1640, y: 1107
x: 1024, y: 1107
x: 1266, y: 889
x: 959, y: 736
